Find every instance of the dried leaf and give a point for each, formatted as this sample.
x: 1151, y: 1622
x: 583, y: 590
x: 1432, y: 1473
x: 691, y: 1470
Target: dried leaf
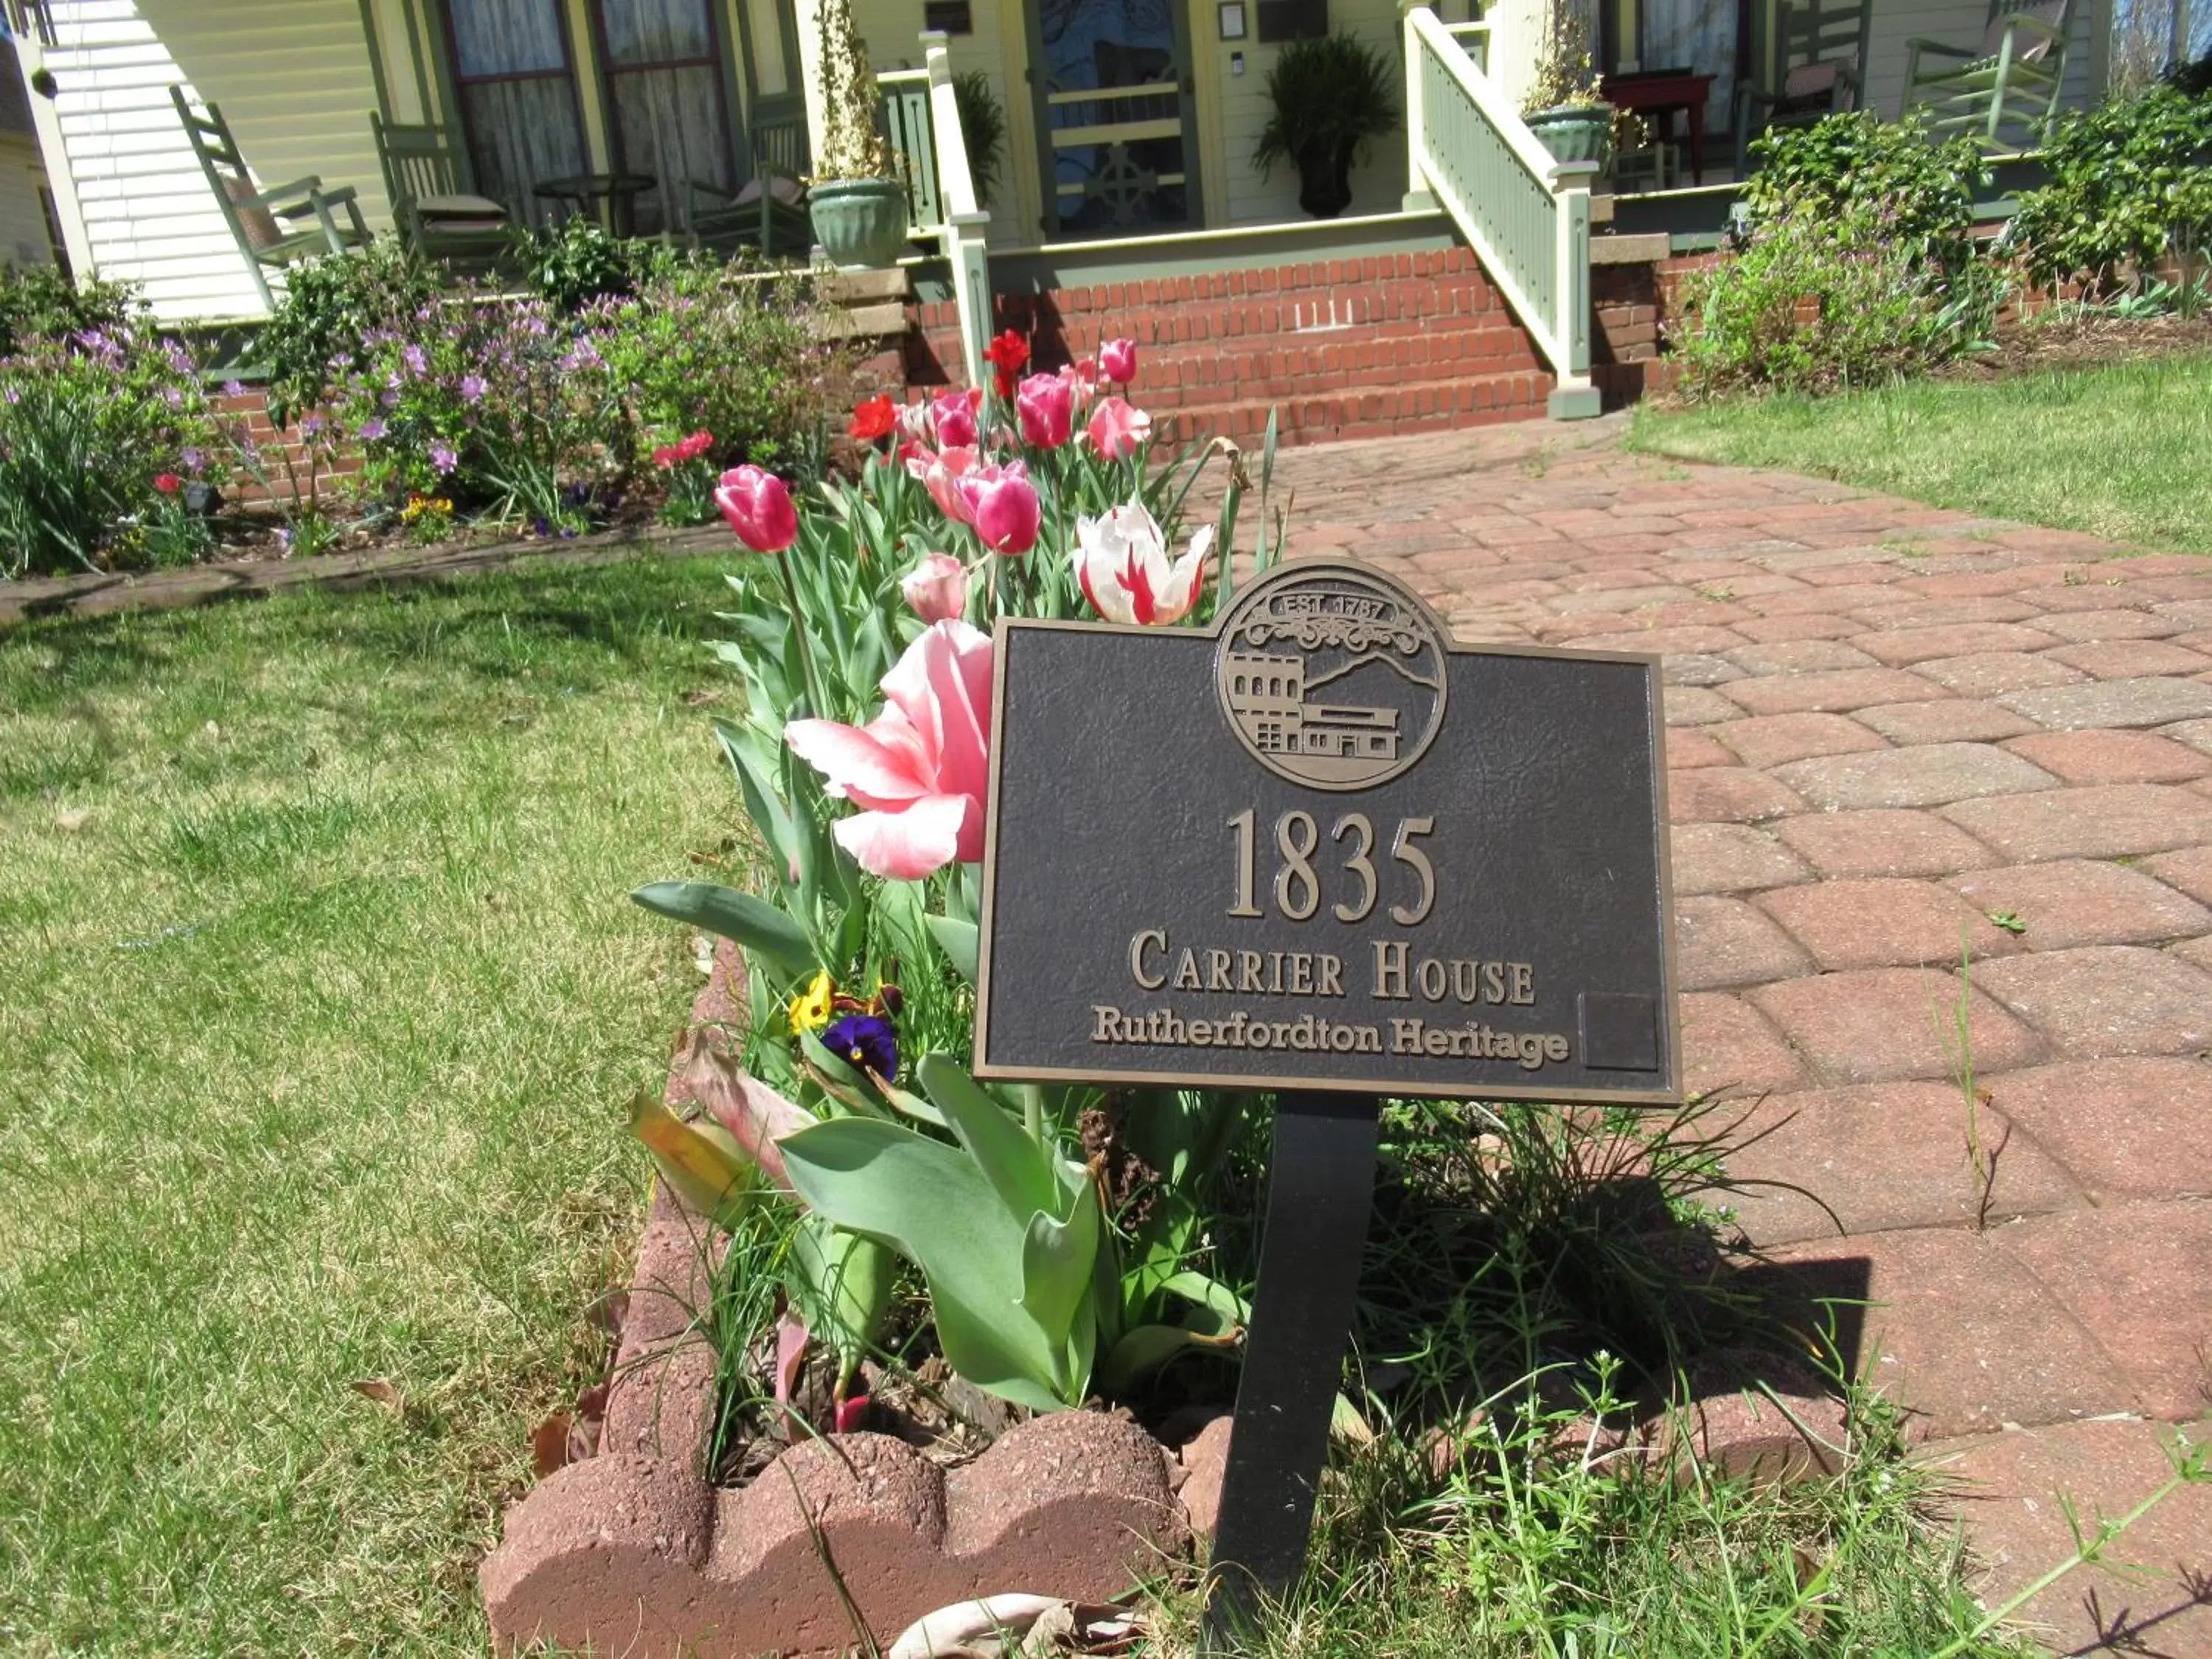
x: 384, y: 1393
x: 75, y: 819
x: 549, y: 1444
x: 750, y: 1110
x: 700, y: 699
x: 610, y: 1311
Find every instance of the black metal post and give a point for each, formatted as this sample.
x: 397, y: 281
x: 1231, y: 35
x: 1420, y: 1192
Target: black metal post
x: 1321, y: 1189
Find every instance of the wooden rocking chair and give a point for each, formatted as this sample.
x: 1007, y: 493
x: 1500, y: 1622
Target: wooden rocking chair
x: 437, y: 214
x: 254, y: 215
x: 1814, y: 66
x: 2009, y: 84
x: 769, y: 212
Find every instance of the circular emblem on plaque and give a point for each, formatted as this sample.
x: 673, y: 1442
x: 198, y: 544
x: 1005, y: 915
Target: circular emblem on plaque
x: 1331, y: 676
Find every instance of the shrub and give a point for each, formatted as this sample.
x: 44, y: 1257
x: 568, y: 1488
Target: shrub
x: 1923, y: 190
x: 576, y: 263
x: 40, y: 301
x: 703, y: 346
x: 492, y: 402
x: 1825, y: 297
x: 330, y: 306
x: 2126, y: 184
x: 88, y: 421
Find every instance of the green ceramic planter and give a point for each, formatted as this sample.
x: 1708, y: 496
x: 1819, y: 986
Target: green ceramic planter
x: 861, y: 222
x: 1575, y: 132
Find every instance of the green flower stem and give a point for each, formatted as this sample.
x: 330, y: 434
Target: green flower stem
x: 818, y: 707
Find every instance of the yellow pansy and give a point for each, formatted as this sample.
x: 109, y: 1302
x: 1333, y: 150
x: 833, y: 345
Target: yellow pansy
x: 811, y: 1008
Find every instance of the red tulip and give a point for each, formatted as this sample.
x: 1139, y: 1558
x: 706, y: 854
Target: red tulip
x: 758, y: 506
x: 1002, y: 505
x: 1007, y: 355
x: 1118, y: 359
x: 1117, y: 430
x: 167, y: 483
x: 873, y: 419
x: 1045, y: 404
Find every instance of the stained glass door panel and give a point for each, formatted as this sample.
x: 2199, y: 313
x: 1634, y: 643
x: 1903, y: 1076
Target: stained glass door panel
x: 1112, y: 89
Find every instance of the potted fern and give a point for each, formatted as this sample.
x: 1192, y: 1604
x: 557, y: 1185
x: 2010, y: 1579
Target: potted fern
x: 1564, y: 108
x: 857, y: 200
x: 1331, y: 98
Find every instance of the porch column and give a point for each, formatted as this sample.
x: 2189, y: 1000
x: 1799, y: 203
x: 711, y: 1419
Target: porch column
x: 809, y: 17
x: 1419, y: 197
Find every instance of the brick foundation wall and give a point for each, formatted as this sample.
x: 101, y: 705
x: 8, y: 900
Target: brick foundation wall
x: 251, y: 410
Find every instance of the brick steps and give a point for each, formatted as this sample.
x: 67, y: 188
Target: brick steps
x: 1363, y: 347
x: 1429, y: 405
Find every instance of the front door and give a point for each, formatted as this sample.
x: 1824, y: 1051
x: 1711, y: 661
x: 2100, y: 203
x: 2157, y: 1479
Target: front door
x: 1116, y: 116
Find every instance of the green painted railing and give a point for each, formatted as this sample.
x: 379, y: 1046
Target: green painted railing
x: 1526, y: 215
x: 965, y: 225
x: 902, y: 110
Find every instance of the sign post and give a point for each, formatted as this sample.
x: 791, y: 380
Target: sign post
x: 1323, y: 852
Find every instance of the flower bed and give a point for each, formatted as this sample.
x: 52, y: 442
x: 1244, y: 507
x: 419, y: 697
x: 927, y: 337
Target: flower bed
x: 397, y: 413
x: 905, y: 1248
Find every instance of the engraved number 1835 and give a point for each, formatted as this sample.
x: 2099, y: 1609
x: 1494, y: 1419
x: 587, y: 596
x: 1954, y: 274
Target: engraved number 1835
x: 1298, y: 884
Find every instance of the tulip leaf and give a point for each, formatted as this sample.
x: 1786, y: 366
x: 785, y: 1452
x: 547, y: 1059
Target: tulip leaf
x: 931, y: 1203
x: 844, y: 1283
x: 1210, y: 1294
x: 702, y: 1162
x: 1019, y: 1170
x: 960, y: 941
x: 1143, y: 1350
x: 758, y: 925
x: 1057, y: 1259
x: 763, y: 802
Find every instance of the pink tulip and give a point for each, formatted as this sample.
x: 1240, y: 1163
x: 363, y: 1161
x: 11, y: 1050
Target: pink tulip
x: 1122, y: 561
x: 1116, y: 429
x: 936, y: 589
x: 758, y: 506
x: 1003, y: 507
x: 1118, y: 360
x: 1046, y: 403
x: 1082, y: 380
x: 941, y: 474
x: 954, y: 417
x: 920, y: 769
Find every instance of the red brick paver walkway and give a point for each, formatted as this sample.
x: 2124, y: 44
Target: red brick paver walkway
x: 1890, y: 726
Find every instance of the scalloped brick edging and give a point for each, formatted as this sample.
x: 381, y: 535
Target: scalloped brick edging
x: 632, y: 1551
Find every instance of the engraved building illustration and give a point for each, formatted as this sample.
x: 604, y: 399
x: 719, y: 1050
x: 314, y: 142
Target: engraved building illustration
x: 1267, y: 697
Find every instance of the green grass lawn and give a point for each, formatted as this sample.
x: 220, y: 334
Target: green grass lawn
x: 315, y: 1042
x: 2122, y: 451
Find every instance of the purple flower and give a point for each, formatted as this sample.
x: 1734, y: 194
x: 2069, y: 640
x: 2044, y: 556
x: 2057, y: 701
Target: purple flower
x: 417, y: 361
x: 374, y: 428
x: 443, y: 457
x: 389, y: 400
x: 472, y: 388
x: 311, y: 427
x: 194, y: 459
x: 233, y: 388
x: 864, y: 1041
x: 584, y: 355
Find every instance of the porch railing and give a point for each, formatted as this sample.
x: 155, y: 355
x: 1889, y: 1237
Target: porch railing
x: 1525, y: 215
x: 903, y: 110
x: 965, y: 225
x: 28, y: 20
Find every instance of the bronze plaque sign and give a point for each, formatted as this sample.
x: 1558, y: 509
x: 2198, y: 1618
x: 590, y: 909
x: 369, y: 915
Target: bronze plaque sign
x: 1323, y: 848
